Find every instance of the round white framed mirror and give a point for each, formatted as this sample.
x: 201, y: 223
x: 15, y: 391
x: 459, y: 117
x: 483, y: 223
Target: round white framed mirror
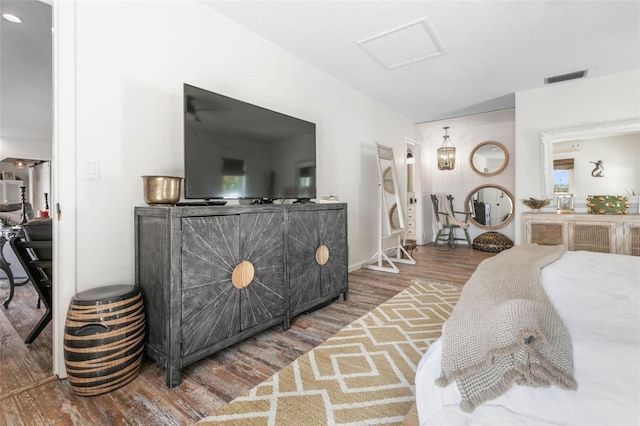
x: 491, y: 206
x: 489, y: 158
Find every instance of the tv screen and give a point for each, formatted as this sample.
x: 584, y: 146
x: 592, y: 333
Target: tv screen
x: 236, y: 150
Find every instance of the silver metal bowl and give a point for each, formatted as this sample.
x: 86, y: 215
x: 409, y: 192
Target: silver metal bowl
x: 161, y: 190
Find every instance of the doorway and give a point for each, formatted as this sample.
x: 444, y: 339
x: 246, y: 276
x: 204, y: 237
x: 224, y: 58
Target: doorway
x: 410, y: 196
x: 413, y: 189
x: 26, y: 150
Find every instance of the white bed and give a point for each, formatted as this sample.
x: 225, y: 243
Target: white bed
x: 598, y: 298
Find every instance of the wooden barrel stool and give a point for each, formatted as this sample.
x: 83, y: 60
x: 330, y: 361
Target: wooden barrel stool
x: 104, y: 339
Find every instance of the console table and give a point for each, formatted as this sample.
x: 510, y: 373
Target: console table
x: 212, y: 275
x: 7, y: 233
x: 582, y: 231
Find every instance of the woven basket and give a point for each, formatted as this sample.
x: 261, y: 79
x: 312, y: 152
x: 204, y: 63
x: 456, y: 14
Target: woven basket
x: 492, y: 242
x: 104, y: 339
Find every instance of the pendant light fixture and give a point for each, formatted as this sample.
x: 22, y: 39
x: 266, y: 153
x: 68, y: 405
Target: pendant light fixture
x: 446, y: 153
x: 19, y: 164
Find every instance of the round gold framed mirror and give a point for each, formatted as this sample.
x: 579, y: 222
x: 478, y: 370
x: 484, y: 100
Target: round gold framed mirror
x: 489, y: 158
x: 387, y: 180
x: 394, y: 219
x: 491, y: 206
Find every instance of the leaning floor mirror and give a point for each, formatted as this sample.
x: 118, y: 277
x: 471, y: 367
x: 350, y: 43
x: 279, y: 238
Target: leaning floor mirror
x: 391, y: 217
x: 391, y: 203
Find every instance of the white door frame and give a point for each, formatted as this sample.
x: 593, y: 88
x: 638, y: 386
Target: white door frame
x: 63, y: 172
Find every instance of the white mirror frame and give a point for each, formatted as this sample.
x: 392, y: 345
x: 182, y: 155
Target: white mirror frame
x: 389, y: 198
x: 549, y: 137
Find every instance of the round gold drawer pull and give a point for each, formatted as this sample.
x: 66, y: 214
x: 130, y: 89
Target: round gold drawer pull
x: 242, y: 274
x: 322, y: 255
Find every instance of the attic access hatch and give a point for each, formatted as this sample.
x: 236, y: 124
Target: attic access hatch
x: 404, y: 45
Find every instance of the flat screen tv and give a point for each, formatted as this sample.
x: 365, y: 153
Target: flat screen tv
x: 236, y: 150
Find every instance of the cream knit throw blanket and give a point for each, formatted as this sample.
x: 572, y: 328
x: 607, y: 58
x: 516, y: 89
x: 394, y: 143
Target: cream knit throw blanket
x: 504, y: 329
x: 444, y: 206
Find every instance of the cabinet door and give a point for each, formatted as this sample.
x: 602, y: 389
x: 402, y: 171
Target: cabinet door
x: 592, y: 236
x: 333, y: 234
x: 262, y: 245
x: 304, y: 272
x: 10, y: 192
x: 210, y: 302
x: 313, y: 275
x: 544, y: 232
x: 631, y: 239
x: 13, y: 192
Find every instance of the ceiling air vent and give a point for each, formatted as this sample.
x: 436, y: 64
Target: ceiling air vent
x: 565, y: 77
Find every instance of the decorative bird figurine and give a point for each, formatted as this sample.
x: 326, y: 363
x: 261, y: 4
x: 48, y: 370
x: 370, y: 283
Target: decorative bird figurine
x: 597, y: 172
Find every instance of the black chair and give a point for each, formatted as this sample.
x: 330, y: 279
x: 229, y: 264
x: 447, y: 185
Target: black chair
x: 35, y: 256
x: 447, y: 221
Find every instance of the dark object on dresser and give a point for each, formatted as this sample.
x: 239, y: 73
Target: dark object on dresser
x: 104, y: 339
x: 213, y: 276
x: 492, y: 242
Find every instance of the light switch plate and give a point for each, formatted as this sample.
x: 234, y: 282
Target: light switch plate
x: 91, y: 169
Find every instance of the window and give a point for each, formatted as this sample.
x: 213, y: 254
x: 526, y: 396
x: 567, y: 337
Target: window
x: 562, y: 175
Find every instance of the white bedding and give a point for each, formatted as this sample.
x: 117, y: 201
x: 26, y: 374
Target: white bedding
x: 598, y: 297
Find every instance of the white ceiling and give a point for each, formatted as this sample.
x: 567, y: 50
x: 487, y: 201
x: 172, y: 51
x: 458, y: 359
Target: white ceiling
x: 491, y: 50
x: 26, y: 97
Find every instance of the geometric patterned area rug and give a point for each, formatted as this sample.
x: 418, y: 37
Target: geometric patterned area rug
x: 364, y: 374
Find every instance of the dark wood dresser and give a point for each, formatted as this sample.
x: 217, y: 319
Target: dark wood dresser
x: 214, y: 275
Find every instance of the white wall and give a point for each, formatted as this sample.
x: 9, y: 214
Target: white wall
x: 564, y: 105
x: 132, y: 59
x: 465, y: 133
x: 26, y: 113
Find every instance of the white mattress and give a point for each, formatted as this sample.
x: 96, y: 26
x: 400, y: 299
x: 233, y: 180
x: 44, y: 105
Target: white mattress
x: 598, y: 297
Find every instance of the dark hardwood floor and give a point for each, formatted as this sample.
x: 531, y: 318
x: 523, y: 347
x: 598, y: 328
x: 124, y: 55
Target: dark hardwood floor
x: 30, y: 395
